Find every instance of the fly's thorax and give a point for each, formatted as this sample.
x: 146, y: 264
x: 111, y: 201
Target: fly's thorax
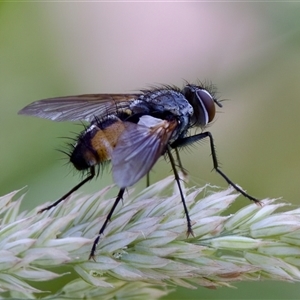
x: 169, y: 104
x: 168, y: 101
x: 97, y: 142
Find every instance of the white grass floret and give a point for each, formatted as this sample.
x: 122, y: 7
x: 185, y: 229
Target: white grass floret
x: 145, y: 249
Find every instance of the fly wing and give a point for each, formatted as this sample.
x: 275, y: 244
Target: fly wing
x: 82, y: 107
x: 138, y: 149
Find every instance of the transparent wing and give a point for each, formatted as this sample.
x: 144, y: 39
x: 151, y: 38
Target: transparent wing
x: 82, y: 107
x: 138, y: 149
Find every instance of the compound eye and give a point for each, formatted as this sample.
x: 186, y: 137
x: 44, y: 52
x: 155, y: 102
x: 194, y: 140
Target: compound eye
x: 207, y: 106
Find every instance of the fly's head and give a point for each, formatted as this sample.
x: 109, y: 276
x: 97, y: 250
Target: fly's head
x: 203, y: 102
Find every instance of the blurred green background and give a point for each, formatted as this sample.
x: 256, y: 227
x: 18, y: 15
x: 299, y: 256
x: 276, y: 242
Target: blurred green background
x: 249, y: 50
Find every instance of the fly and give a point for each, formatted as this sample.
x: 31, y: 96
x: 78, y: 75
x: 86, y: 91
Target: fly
x: 133, y: 131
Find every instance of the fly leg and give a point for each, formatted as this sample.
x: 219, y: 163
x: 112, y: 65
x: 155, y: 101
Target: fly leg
x: 119, y: 197
x: 191, y: 139
x: 75, y: 188
x: 177, y: 179
x: 182, y: 169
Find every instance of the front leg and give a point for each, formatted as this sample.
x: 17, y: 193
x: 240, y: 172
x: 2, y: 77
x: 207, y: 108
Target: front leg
x: 181, y: 142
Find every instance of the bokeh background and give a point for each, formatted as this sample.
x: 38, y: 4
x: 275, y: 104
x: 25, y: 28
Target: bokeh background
x: 250, y: 51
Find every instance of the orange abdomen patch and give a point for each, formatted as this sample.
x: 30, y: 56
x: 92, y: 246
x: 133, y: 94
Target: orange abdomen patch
x: 105, y: 140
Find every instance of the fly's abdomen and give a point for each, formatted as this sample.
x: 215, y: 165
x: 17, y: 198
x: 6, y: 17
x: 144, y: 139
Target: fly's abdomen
x: 96, y: 144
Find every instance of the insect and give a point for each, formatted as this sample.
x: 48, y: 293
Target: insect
x: 133, y: 131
